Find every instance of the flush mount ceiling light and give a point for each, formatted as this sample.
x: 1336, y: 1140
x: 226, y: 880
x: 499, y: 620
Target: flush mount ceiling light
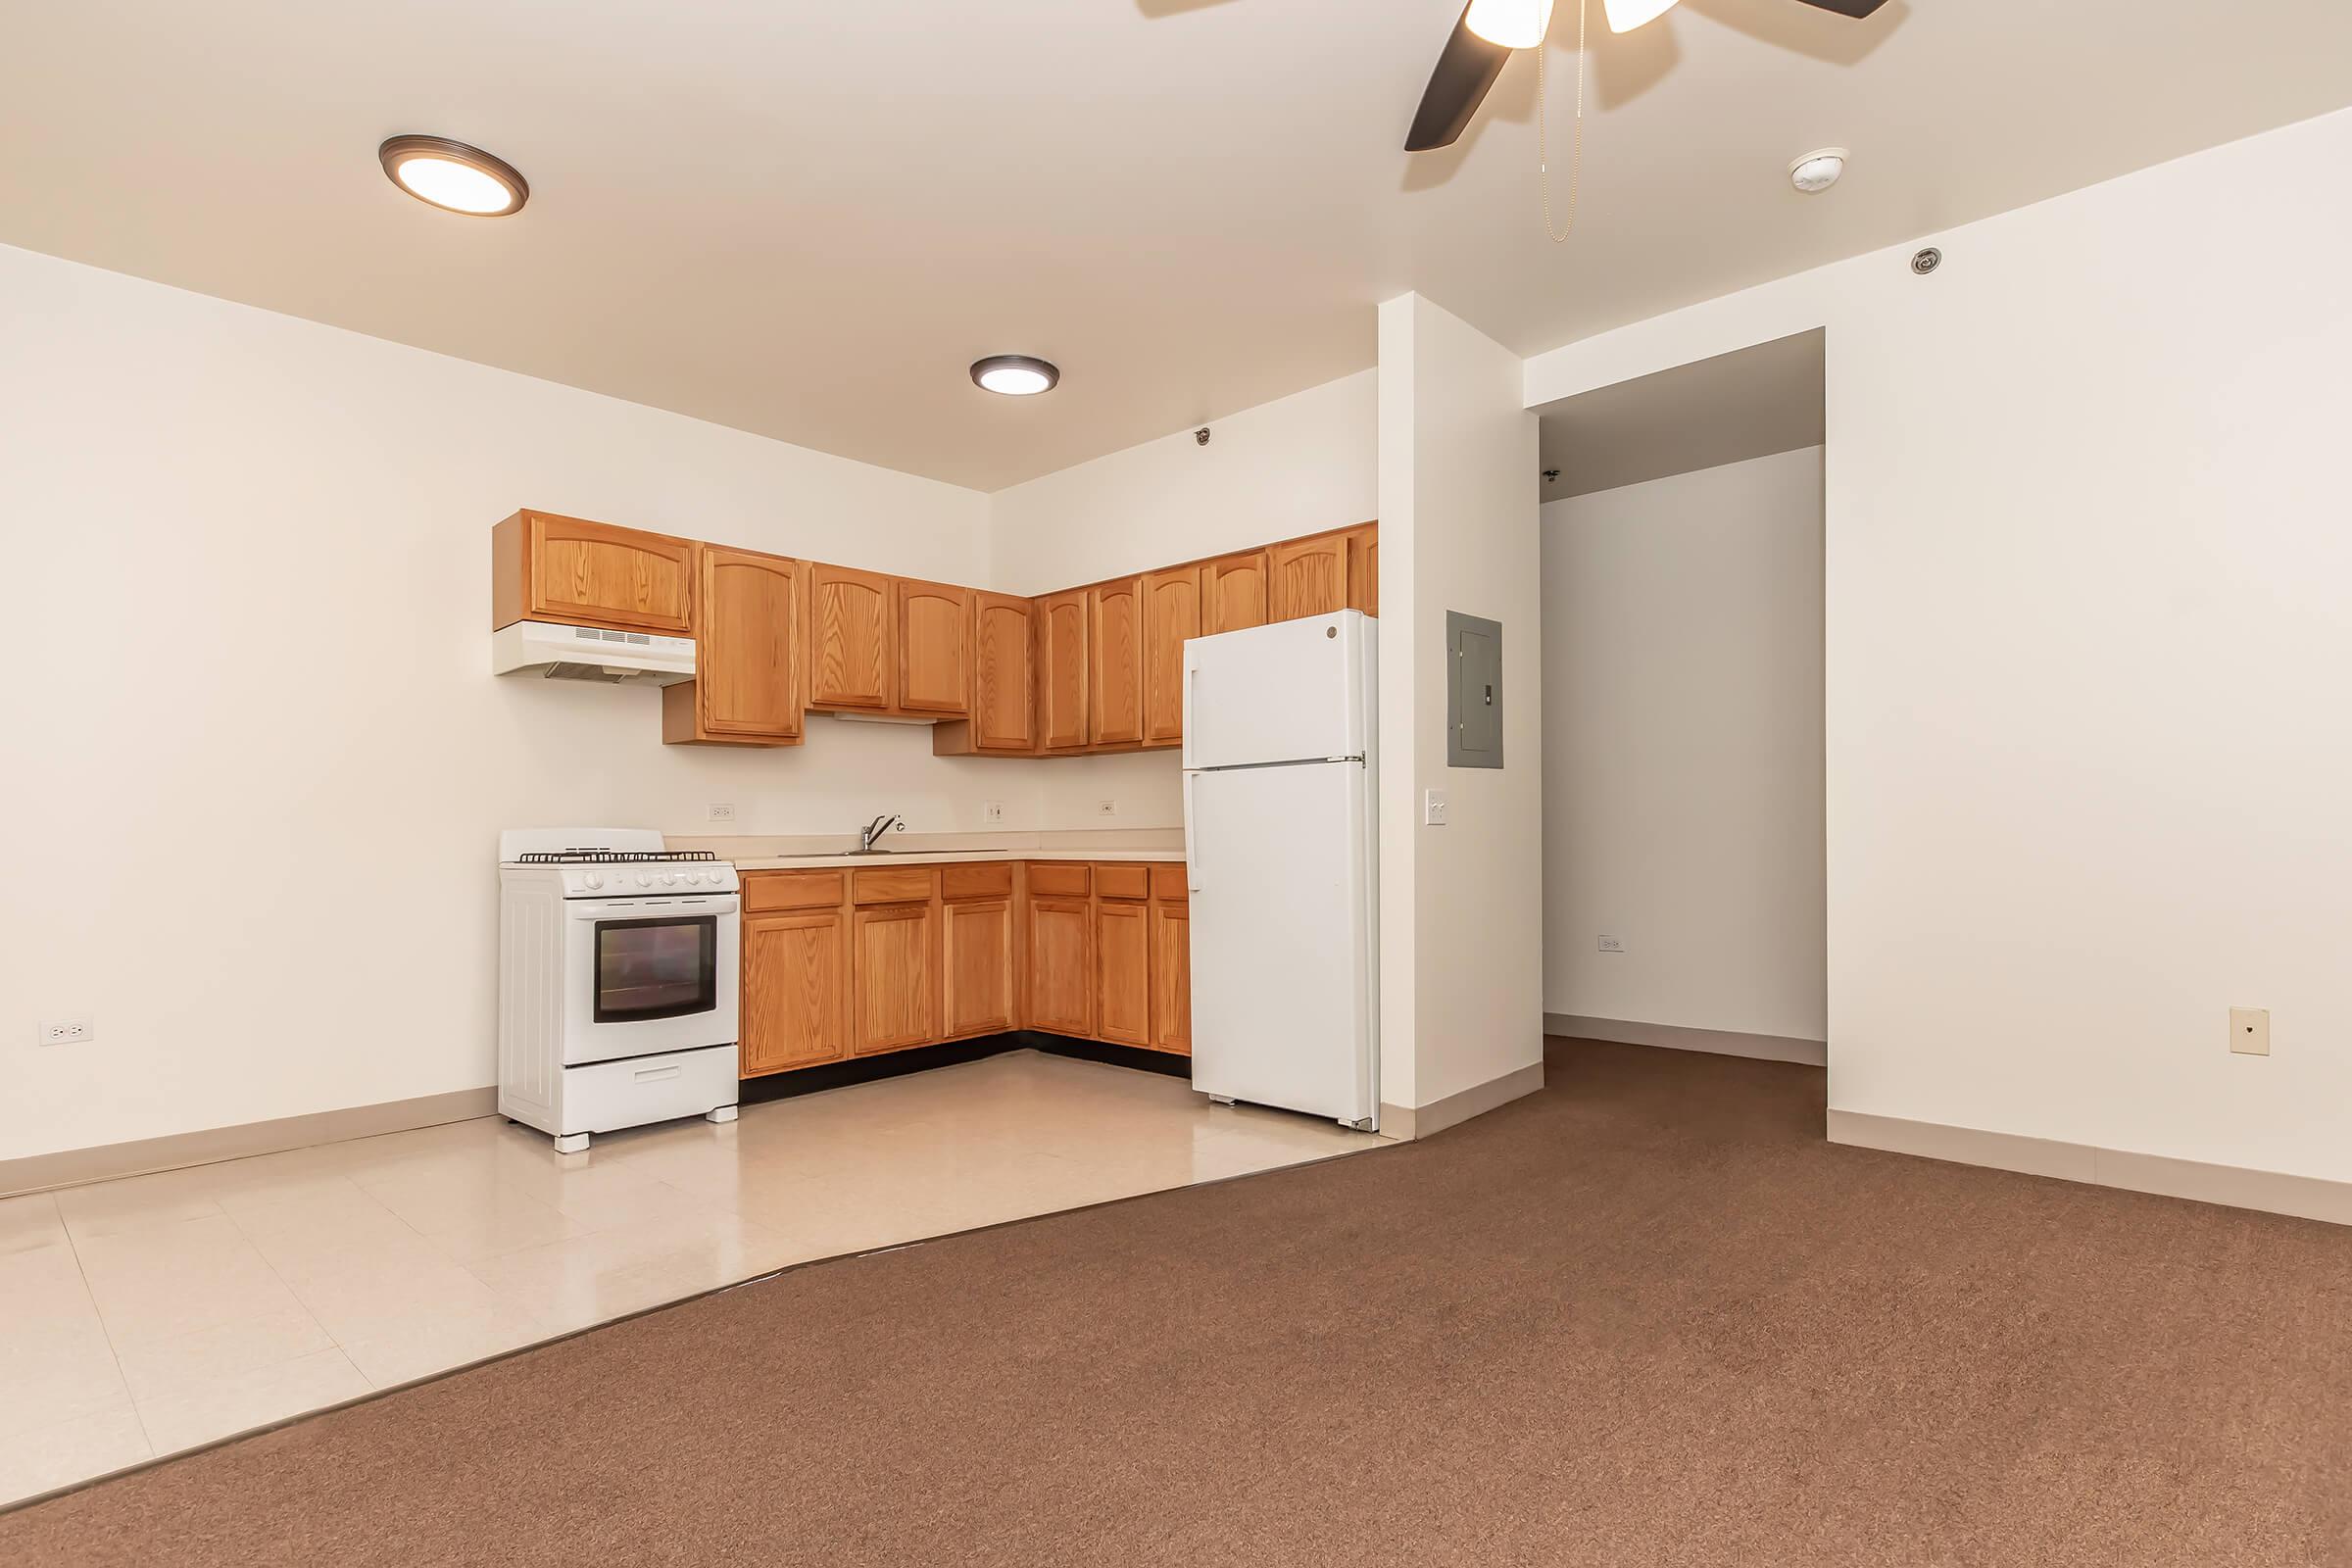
x: 1017, y: 376
x: 1512, y: 24
x: 1817, y: 171
x: 453, y: 177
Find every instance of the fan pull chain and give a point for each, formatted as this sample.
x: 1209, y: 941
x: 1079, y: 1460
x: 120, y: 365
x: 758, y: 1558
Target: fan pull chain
x: 1575, y: 161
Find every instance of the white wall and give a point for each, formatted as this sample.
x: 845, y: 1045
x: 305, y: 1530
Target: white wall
x: 257, y: 763
x: 1461, y: 906
x: 1681, y: 750
x: 1297, y: 465
x: 2086, y: 556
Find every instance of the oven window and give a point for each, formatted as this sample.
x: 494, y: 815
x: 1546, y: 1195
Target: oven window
x: 655, y: 968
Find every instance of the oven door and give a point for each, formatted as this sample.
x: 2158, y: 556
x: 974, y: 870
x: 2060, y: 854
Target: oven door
x: 642, y: 977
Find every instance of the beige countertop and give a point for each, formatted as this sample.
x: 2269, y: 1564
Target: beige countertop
x: 802, y: 862
x: 830, y: 852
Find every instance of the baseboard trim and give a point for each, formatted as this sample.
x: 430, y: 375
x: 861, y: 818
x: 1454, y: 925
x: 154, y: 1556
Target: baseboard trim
x: 1422, y: 1121
x: 72, y: 1167
x: 1675, y: 1037
x: 2230, y: 1186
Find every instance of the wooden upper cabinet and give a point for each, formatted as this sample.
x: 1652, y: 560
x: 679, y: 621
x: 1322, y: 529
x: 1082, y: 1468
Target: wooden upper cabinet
x: 1062, y: 671
x: 795, y: 990
x: 1114, y: 675
x: 749, y: 644
x: 1364, y: 568
x: 1171, y: 613
x: 544, y: 567
x: 1004, y: 698
x: 1233, y: 593
x: 1308, y: 577
x: 935, y: 647
x: 851, y: 648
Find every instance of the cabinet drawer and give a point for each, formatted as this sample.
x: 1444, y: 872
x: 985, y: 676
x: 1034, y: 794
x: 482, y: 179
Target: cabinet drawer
x: 1060, y: 879
x: 790, y: 890
x: 1123, y: 881
x: 1167, y: 882
x: 907, y: 884
x: 984, y: 881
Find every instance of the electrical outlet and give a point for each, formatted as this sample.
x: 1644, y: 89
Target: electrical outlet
x: 992, y: 813
x: 2250, y: 1031
x: 1433, y: 808
x: 1609, y: 944
x: 1106, y: 808
x: 68, y: 1032
x: 722, y: 812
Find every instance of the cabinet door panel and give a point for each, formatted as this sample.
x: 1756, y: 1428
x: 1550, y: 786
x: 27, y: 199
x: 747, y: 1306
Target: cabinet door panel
x: 1062, y: 966
x: 748, y: 644
x: 1003, y: 700
x: 1363, y: 570
x: 1233, y: 593
x: 552, y: 567
x: 1115, y: 663
x: 1309, y: 577
x: 1123, y: 970
x: 795, y: 990
x: 935, y: 654
x: 1171, y: 613
x: 1062, y: 671
x: 977, y: 966
x: 1171, y: 978
x: 898, y: 998
x: 850, y: 616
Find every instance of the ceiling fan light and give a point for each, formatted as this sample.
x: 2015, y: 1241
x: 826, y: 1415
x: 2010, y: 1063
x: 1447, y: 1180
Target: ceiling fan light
x: 1627, y: 15
x: 1512, y: 24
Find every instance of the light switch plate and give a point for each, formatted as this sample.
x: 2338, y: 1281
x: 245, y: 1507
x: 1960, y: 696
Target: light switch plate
x: 2250, y: 1031
x: 992, y: 812
x: 1610, y: 943
x: 1433, y: 808
x: 1106, y: 808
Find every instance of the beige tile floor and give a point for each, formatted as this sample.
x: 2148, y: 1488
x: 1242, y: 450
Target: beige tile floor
x: 142, y: 1316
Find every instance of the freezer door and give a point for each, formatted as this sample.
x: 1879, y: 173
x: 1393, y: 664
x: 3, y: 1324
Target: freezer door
x: 1283, y: 993
x: 1292, y: 691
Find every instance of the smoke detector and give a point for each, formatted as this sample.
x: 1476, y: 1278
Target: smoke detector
x: 1817, y: 170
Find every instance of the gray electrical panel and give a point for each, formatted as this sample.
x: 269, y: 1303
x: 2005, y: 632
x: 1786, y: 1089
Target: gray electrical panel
x: 1472, y: 691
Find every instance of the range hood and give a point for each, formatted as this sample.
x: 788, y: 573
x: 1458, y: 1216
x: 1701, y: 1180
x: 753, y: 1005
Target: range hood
x: 558, y: 651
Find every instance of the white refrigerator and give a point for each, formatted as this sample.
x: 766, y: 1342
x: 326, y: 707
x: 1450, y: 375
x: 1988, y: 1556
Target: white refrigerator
x: 1280, y: 855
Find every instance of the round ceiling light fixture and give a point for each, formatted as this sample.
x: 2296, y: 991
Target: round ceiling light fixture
x: 1817, y: 171
x: 453, y: 177
x: 1017, y: 376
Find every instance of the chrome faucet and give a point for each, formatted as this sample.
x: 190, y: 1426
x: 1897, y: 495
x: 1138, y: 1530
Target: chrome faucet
x: 873, y: 830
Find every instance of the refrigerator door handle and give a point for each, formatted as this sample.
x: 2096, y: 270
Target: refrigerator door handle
x: 1191, y: 841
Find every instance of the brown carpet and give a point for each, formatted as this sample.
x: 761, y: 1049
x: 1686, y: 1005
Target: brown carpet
x: 1646, y: 1317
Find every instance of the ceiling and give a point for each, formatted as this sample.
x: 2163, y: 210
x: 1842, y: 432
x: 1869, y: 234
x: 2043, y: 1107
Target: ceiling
x: 808, y: 220
x: 1750, y: 403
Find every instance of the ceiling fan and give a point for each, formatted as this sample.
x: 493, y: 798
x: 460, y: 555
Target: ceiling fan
x: 1490, y: 30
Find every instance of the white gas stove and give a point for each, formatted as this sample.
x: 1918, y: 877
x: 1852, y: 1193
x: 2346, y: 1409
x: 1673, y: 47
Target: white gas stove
x: 617, y: 982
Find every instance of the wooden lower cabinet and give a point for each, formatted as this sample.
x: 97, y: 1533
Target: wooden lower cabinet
x: 976, y: 966
x: 1123, y: 973
x: 1062, y: 966
x: 795, y: 990
x: 895, y: 957
x: 1171, y: 978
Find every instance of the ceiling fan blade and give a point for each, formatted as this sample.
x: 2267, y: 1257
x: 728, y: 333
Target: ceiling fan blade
x: 1857, y: 9
x: 1466, y: 68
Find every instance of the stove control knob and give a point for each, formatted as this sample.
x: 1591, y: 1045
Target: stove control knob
x: 693, y: 876
x: 644, y: 881
x: 669, y: 879
x: 593, y: 880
